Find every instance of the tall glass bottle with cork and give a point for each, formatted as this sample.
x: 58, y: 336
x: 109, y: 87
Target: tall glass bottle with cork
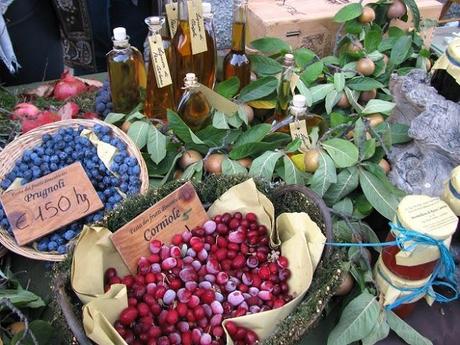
x: 160, y: 95
x: 236, y: 63
x: 208, y: 59
x: 126, y: 71
x: 194, y: 108
x: 284, y: 91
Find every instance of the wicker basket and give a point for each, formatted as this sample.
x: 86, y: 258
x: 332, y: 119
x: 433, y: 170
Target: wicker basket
x: 292, y: 198
x: 14, y: 151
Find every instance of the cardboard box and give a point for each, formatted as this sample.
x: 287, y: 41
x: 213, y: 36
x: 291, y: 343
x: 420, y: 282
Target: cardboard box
x: 308, y: 23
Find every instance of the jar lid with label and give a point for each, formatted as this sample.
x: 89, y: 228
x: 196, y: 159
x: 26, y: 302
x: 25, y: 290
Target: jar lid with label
x: 451, y: 193
x: 450, y: 60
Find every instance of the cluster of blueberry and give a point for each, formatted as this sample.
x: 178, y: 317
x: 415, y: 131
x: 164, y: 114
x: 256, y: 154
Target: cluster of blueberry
x: 104, y: 100
x: 64, y: 148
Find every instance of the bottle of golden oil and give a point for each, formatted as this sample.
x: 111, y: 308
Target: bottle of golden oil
x: 182, y: 57
x: 284, y: 92
x: 193, y: 107
x: 126, y: 70
x: 208, y: 59
x: 236, y: 63
x: 158, y: 98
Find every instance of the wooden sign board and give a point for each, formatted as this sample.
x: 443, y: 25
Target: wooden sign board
x: 49, y: 203
x: 177, y: 212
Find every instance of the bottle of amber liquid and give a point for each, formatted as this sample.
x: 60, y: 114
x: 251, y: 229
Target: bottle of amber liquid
x: 284, y: 92
x: 236, y: 63
x: 157, y: 99
x: 208, y: 59
x: 126, y: 70
x: 182, y: 56
x: 194, y: 108
x: 446, y: 76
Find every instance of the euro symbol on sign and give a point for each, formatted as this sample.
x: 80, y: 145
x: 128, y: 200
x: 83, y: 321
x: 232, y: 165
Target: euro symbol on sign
x: 185, y: 215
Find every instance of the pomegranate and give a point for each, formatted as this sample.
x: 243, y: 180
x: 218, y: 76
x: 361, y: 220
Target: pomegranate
x: 68, y: 86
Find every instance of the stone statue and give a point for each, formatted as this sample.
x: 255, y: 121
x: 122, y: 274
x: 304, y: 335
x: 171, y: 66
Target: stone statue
x: 423, y: 165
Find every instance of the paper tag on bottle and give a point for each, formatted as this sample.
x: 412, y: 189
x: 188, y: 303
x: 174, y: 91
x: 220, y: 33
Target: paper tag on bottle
x: 173, y: 17
x: 159, y: 61
x: 197, y: 30
x: 299, y: 131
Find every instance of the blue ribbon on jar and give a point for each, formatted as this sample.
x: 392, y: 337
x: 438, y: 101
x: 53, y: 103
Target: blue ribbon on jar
x: 443, y: 274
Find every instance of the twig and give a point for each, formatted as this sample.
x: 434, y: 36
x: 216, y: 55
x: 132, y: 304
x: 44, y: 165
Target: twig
x: 345, y: 126
x: 345, y: 70
x: 7, y: 303
x: 379, y: 139
x: 217, y: 148
x: 287, y: 121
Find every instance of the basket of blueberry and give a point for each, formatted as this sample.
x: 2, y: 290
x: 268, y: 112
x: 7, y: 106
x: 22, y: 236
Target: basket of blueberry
x: 55, y: 146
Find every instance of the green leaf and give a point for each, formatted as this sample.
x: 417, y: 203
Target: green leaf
x: 138, y: 132
x: 387, y: 44
x: 396, y: 32
x: 303, y: 56
x: 344, y: 153
x: 405, y: 331
x: 400, y: 50
x: 369, y: 149
x: 230, y: 167
x: 156, y: 144
x: 136, y: 115
x: 171, y: 169
x: 180, y: 128
x: 228, y: 88
x: 348, y: 12
x: 382, y: 199
x: 243, y: 115
x: 338, y: 119
x: 235, y: 120
x: 375, y: 56
x: 353, y: 27
x: 253, y: 149
x: 378, y: 106
x: 364, y: 84
x: 270, y: 45
x: 114, y: 117
x: 353, y: 99
x: 373, y: 38
x: 263, y: 65
x: 339, y: 81
x: 22, y: 298
x: 319, y: 92
x: 331, y: 100
x: 293, y: 146
x: 193, y: 172
x: 349, y: 70
x: 379, y: 332
x: 44, y: 334
x: 357, y: 320
x: 305, y: 91
x: 324, y: 176
x: 399, y: 133
x: 292, y: 175
x: 312, y: 72
x: 264, y: 165
x: 212, y: 136
x: 347, y: 182
x: 415, y: 12
x: 258, y: 89
x: 254, y: 134
x: 344, y: 206
x: 219, y: 120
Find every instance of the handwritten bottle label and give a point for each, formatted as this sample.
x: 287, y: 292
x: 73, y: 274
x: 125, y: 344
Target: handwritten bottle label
x: 299, y: 131
x: 173, y: 17
x: 159, y: 61
x: 196, y: 23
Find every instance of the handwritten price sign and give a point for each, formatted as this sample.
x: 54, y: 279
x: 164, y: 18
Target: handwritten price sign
x: 49, y: 203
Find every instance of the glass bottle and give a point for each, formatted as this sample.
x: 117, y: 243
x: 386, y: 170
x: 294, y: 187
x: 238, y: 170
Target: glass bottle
x: 236, y: 62
x: 182, y: 57
x: 284, y: 92
x: 158, y: 100
x: 194, y: 108
x: 208, y: 59
x: 446, y: 76
x: 126, y: 71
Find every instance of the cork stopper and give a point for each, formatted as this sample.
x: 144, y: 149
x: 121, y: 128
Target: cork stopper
x: 154, y: 23
x: 207, y: 9
x: 190, y: 80
x: 299, y: 101
x: 119, y: 34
